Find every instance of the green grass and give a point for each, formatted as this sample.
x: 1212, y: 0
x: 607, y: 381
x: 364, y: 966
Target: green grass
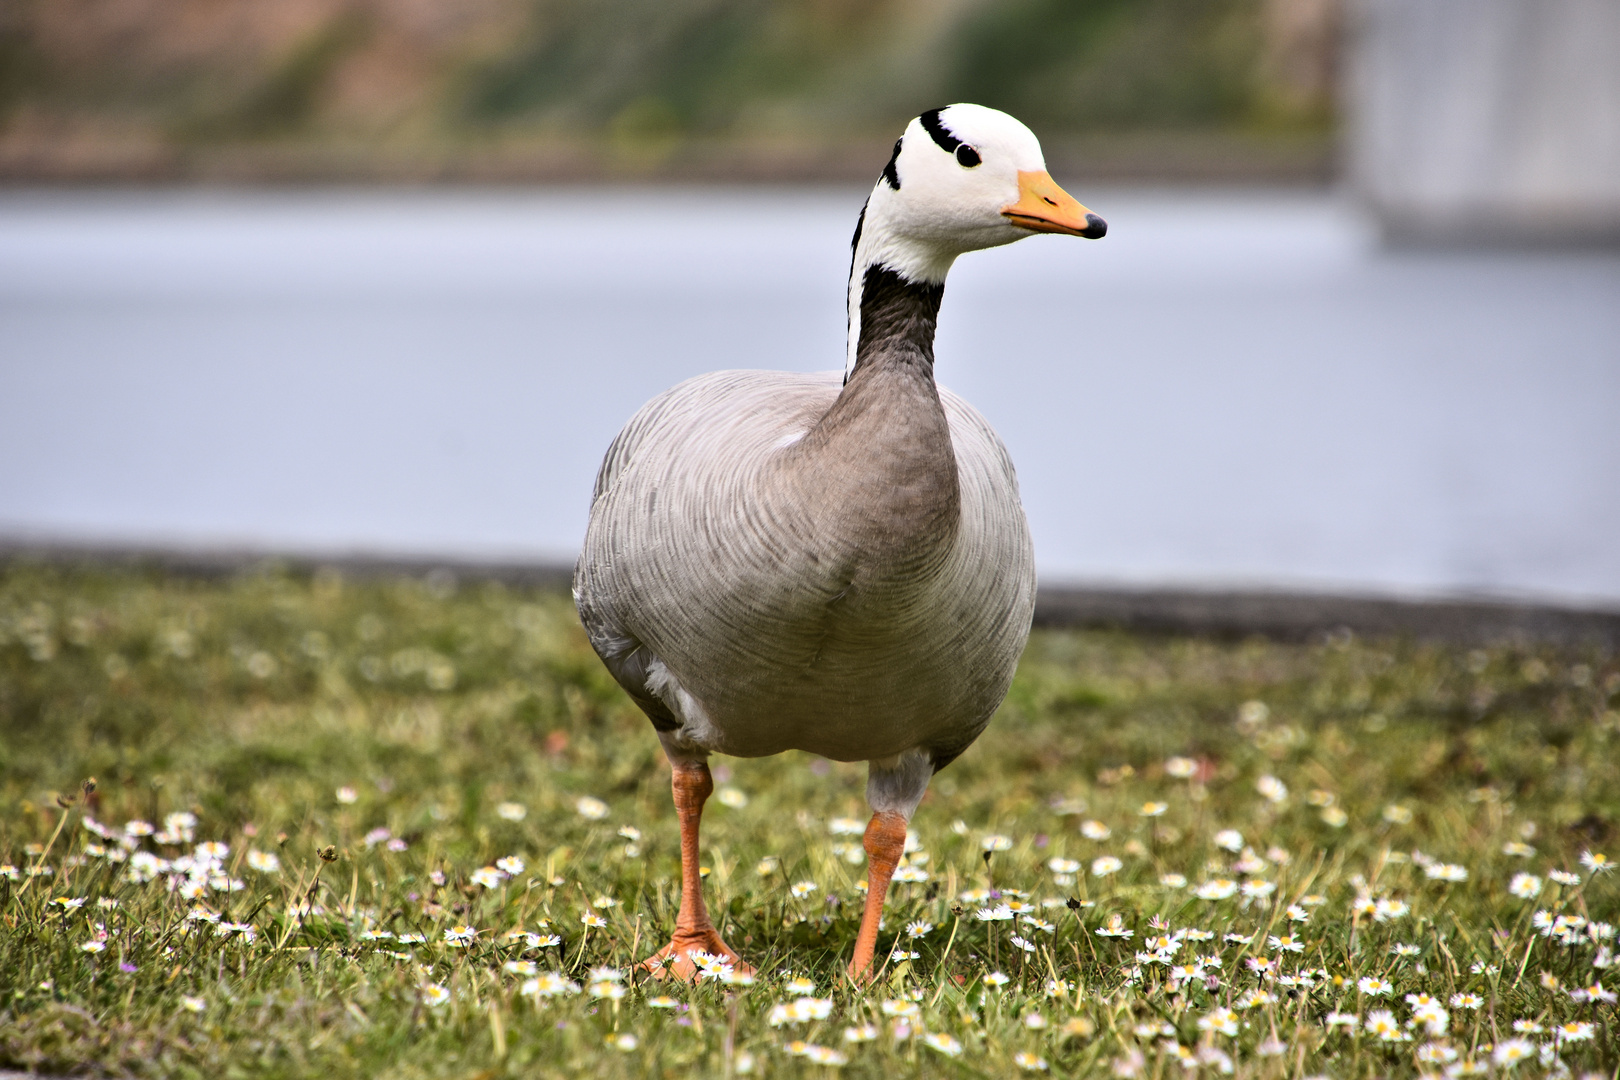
x: 292, y: 714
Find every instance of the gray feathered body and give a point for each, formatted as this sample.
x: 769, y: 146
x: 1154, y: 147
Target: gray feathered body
x: 775, y: 561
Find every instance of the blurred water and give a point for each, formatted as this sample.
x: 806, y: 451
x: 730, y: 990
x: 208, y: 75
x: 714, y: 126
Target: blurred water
x: 1232, y: 388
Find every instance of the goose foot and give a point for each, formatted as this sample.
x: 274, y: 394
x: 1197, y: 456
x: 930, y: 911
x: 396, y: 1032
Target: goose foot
x: 675, y: 960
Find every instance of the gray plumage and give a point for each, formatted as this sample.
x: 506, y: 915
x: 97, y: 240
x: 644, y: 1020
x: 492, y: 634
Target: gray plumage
x: 776, y: 562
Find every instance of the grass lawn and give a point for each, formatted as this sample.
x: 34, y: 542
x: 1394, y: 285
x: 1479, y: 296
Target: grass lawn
x: 412, y: 829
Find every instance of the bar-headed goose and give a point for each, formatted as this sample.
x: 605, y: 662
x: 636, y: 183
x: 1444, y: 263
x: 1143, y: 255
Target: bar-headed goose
x: 833, y: 564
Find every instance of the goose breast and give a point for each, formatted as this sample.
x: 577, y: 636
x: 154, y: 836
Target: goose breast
x: 737, y: 612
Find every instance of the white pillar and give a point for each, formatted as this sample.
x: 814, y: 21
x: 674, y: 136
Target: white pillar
x: 1487, y: 121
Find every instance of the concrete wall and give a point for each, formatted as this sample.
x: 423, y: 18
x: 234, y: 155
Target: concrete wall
x: 1487, y: 120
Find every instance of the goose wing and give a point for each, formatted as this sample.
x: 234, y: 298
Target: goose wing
x: 696, y: 426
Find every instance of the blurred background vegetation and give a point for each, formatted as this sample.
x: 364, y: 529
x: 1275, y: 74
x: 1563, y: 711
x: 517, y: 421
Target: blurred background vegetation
x: 694, y: 89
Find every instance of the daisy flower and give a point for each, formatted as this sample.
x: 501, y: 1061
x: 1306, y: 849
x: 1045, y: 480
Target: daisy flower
x: 1382, y: 1023
x: 1435, y: 1053
x: 1525, y: 886
x: 1597, y: 862
x: 1105, y: 865
x: 1186, y: 972
x: 1222, y: 1020
x: 488, y: 877
x: 1115, y: 927
x: 943, y: 1043
x: 1385, y: 910
x: 549, y: 985
x: 434, y: 995
x: 1510, y: 1052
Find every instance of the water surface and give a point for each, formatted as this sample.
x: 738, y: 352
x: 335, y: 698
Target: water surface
x: 1231, y: 388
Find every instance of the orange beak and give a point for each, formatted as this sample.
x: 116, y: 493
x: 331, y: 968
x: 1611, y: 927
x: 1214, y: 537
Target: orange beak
x: 1042, y: 206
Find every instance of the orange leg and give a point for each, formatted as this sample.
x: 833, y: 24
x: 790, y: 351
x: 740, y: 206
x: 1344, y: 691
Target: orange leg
x: 693, y: 930
x: 885, y: 843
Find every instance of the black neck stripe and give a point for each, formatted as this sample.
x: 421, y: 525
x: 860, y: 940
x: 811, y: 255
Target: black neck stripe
x: 891, y: 174
x: 939, y: 132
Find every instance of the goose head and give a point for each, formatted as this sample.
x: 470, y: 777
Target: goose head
x: 961, y: 178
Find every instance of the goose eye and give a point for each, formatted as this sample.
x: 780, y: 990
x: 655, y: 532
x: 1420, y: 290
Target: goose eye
x: 967, y: 157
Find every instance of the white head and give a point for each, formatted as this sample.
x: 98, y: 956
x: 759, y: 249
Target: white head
x: 962, y: 178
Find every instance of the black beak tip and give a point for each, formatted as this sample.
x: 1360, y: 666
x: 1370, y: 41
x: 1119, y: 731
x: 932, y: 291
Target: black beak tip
x: 1096, y: 228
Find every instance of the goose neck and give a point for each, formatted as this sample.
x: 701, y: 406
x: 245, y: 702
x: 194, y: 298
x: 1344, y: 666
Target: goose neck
x: 897, y: 319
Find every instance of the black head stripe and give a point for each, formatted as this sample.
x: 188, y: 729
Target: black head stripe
x: 939, y: 132
x: 891, y: 174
